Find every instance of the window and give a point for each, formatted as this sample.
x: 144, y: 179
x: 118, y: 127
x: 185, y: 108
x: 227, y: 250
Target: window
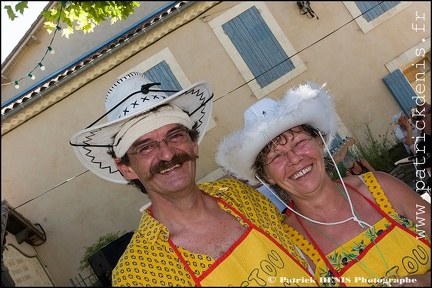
x: 257, y: 46
x: 161, y: 73
x: 369, y: 14
x: 409, y: 76
x: 401, y: 90
x: 374, y: 9
x: 163, y: 68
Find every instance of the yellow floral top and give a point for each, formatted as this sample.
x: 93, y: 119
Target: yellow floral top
x: 392, y: 248
x: 151, y: 260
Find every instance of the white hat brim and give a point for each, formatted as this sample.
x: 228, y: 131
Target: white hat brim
x: 195, y: 100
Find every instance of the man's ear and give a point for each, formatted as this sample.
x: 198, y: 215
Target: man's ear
x: 126, y: 171
x: 196, y: 147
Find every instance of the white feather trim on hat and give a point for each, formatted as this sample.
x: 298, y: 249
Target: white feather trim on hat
x: 268, y: 118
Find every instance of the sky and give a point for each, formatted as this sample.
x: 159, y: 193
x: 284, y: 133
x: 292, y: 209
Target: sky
x: 13, y: 31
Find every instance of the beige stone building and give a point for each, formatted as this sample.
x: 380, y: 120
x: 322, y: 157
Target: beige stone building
x: 374, y: 59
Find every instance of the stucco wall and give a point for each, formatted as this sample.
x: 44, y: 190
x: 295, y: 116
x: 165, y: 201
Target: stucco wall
x: 76, y: 207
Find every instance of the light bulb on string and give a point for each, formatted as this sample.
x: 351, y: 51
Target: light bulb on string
x: 49, y: 49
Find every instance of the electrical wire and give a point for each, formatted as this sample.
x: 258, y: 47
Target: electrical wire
x: 226, y: 94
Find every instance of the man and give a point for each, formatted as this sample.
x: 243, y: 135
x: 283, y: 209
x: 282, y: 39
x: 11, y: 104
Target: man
x: 405, y: 132
x: 222, y: 233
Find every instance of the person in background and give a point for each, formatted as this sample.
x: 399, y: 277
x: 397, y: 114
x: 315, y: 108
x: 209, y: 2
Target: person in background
x: 361, y: 230
x: 356, y: 167
x: 221, y: 233
x: 405, y: 132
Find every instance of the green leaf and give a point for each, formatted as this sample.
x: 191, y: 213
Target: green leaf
x: 10, y: 12
x: 81, y: 15
x: 21, y: 6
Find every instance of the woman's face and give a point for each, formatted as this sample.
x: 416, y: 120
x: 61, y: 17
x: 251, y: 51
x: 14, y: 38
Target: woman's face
x: 295, y: 161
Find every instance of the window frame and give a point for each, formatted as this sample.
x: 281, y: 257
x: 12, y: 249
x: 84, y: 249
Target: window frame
x: 259, y: 92
x: 366, y: 26
x: 166, y: 55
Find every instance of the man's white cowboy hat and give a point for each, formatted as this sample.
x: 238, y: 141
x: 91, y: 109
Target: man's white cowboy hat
x: 267, y: 118
x: 129, y: 99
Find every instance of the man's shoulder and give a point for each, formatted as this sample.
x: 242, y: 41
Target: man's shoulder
x: 230, y: 189
x: 225, y: 184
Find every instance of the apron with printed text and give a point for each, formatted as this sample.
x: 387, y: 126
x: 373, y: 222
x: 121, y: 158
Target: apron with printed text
x: 394, y: 247
x: 268, y: 265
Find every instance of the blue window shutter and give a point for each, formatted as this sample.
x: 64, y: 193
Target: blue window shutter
x: 258, y: 46
x: 401, y: 90
x: 373, y: 9
x: 336, y: 142
x: 161, y: 73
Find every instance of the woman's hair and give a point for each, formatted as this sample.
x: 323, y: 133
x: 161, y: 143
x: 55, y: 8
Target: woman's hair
x: 258, y: 166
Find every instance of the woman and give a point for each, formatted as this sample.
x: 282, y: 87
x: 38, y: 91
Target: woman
x: 358, y: 231
x: 357, y: 167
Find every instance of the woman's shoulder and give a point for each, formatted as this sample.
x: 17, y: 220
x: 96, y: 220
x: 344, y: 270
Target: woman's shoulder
x: 354, y: 181
x: 358, y: 183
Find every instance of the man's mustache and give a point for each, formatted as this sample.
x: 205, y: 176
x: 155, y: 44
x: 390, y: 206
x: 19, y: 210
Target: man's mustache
x: 177, y: 159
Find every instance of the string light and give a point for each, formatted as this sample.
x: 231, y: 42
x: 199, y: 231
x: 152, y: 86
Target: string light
x: 51, y: 50
x: 40, y: 65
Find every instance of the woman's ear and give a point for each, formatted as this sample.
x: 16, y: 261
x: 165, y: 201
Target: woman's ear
x: 269, y: 180
x: 319, y: 140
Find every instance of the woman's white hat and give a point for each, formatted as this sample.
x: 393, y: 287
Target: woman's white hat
x: 267, y: 118
x: 132, y: 97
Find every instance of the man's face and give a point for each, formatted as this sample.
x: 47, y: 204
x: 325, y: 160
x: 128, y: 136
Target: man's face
x: 164, y: 160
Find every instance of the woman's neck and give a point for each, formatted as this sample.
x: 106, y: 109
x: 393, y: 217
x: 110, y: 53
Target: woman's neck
x: 327, y: 199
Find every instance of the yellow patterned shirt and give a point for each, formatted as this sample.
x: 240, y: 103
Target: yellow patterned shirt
x: 393, y: 247
x: 150, y: 260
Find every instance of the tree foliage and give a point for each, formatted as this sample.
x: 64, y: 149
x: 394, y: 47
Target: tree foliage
x: 78, y: 15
